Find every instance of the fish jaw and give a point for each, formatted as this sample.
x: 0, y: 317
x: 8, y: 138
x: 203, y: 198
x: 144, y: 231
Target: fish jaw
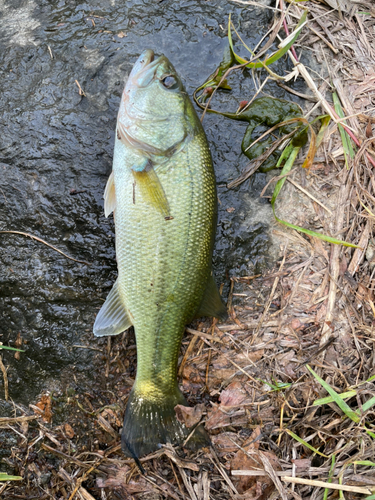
x: 143, y: 60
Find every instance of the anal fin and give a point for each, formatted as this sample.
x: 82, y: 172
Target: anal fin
x: 212, y: 304
x: 112, y: 318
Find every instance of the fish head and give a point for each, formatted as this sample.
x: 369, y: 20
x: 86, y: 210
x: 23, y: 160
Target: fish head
x: 156, y: 115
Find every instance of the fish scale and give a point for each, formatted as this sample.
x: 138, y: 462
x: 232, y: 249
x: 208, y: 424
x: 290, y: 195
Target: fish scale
x: 163, y: 194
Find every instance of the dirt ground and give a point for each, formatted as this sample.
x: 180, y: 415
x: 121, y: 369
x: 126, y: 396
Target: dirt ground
x: 266, y: 383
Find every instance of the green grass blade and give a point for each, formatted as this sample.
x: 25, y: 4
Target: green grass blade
x: 10, y: 348
x: 275, y: 56
x: 329, y: 399
x: 345, y: 139
x: 371, y: 497
x: 313, y: 233
x: 278, y: 386
x: 364, y: 462
x: 366, y: 406
x: 336, y: 398
x: 325, y: 119
x: 341, y: 494
x: 297, y: 438
x: 292, y: 152
x: 371, y: 434
x: 4, y: 477
x: 330, y: 474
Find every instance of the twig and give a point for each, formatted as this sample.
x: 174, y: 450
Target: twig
x: 332, y: 486
x: 299, y: 94
x: 5, y: 377
x: 48, y: 245
x: 271, y: 473
x: 4, y: 421
x: 324, y: 40
x: 334, y: 265
x: 287, y: 32
x: 80, y: 91
x: 274, y: 286
x: 308, y: 194
x: 83, y: 478
x: 204, y: 335
x: 216, y: 462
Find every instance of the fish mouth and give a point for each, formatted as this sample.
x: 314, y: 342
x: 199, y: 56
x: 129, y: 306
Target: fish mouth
x: 144, y: 69
x: 146, y: 57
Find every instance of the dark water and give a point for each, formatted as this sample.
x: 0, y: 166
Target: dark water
x: 54, y: 141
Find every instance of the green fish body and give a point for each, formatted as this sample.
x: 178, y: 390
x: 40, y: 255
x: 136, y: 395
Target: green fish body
x: 163, y: 194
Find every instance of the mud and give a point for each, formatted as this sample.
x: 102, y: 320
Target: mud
x: 55, y: 156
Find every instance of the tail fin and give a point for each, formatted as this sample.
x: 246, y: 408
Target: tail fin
x: 151, y: 422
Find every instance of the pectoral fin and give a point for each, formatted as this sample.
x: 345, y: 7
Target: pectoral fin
x: 212, y: 305
x: 150, y: 187
x: 112, y: 318
x: 109, y: 196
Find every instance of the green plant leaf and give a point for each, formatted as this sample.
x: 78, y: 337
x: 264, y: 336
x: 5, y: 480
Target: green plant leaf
x: 364, y: 462
x: 297, y: 438
x: 214, y: 79
x: 336, y: 397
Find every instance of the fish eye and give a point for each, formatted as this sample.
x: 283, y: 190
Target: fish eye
x: 169, y: 82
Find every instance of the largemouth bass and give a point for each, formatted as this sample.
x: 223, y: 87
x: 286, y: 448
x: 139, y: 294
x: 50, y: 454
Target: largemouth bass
x: 163, y: 194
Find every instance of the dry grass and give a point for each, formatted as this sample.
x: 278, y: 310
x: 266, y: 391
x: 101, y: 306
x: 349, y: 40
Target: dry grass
x: 249, y: 376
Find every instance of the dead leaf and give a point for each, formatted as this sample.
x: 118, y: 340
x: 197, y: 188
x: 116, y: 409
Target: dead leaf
x: 343, y: 5
x: 189, y: 416
x: 302, y: 463
x: 118, y: 480
x: 235, y: 395
x: 192, y: 380
x: 68, y: 431
x: 45, y: 408
x: 18, y: 345
x: 285, y: 357
x: 250, y: 461
x: 225, y: 442
x: 112, y: 417
x: 180, y: 462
